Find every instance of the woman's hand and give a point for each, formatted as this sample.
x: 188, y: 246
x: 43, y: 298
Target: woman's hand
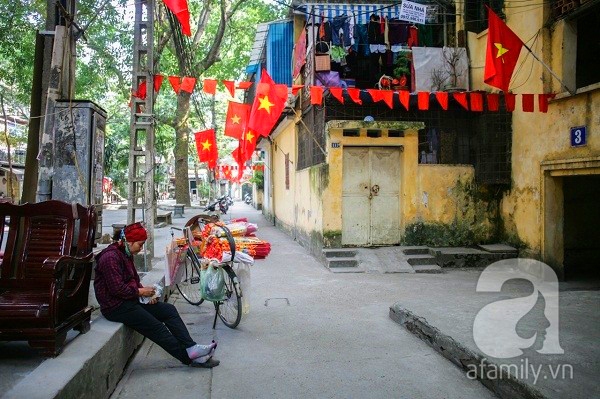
x: 146, y: 291
x: 153, y: 301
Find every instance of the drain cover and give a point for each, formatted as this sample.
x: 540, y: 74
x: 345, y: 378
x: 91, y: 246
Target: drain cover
x: 277, y: 302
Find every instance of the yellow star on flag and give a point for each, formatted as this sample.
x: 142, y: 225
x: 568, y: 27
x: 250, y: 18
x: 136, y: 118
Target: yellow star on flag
x: 249, y: 136
x: 235, y: 119
x: 206, y: 145
x: 501, y: 50
x: 265, y: 104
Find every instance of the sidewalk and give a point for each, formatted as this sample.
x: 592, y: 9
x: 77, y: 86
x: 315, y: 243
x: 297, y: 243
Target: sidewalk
x: 309, y: 333
x: 445, y: 321
x: 313, y: 333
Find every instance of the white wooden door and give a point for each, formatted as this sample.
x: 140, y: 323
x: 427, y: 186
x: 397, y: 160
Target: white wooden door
x: 370, y: 196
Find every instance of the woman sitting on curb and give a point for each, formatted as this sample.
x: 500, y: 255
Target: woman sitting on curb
x: 120, y: 295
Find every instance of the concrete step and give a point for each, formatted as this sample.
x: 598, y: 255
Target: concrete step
x: 468, y: 257
x: 417, y: 250
x: 346, y: 270
x: 339, y: 252
x: 414, y: 260
x: 333, y: 263
x: 498, y: 248
x: 430, y: 269
x: 399, y: 267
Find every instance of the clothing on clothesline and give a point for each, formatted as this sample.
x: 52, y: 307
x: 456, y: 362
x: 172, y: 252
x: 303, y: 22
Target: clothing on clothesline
x: 340, y: 31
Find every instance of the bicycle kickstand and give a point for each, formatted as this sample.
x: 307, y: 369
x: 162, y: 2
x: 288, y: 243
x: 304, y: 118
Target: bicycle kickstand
x: 216, y: 315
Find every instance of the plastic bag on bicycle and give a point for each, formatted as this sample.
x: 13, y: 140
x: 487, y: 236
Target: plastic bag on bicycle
x: 212, y: 284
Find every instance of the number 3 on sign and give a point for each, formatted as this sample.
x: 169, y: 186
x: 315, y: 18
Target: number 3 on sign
x: 578, y: 136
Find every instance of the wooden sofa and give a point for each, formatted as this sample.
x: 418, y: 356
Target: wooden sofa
x: 45, y: 272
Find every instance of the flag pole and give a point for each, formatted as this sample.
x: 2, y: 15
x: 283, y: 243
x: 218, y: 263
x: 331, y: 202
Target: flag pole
x: 572, y: 92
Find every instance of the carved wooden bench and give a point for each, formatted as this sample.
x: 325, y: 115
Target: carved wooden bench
x: 45, y: 272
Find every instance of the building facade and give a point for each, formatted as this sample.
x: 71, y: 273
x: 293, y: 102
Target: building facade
x: 382, y: 174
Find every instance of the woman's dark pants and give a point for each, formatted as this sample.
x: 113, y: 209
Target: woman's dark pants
x: 148, y: 320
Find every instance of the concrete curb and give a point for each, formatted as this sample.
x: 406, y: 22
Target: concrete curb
x: 460, y: 355
x: 91, y: 365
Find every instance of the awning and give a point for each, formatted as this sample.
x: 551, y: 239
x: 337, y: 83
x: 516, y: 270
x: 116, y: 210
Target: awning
x: 361, y: 12
x: 17, y: 172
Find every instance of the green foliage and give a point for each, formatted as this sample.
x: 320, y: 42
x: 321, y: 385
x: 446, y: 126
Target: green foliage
x: 439, y: 234
x: 402, y: 65
x: 19, y: 21
x: 258, y: 178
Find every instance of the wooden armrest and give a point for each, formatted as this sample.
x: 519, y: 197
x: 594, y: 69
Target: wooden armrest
x: 56, y: 263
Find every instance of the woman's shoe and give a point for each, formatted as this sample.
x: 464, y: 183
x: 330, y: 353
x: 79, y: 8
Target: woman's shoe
x: 197, y: 350
x: 209, y: 364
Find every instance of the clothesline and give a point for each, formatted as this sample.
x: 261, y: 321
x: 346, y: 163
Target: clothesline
x: 468, y: 100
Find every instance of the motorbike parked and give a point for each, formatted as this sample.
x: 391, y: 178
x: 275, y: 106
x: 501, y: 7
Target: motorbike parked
x: 221, y: 203
x: 248, y: 198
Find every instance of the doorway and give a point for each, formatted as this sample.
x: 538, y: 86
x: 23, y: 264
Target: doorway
x: 370, y: 196
x: 581, y: 227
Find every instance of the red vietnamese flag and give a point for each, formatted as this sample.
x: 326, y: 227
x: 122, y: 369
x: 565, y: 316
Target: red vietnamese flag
x: 503, y: 48
x: 237, y: 119
x: 268, y: 105
x: 180, y: 9
x: 248, y: 144
x: 206, y: 145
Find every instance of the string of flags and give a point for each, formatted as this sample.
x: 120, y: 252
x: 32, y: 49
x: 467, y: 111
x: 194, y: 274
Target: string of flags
x: 249, y: 122
x: 470, y: 101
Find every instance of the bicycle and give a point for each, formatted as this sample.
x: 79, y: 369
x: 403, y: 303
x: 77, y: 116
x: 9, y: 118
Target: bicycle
x: 230, y: 309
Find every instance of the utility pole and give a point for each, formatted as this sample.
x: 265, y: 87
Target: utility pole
x: 60, y: 84
x: 141, y: 144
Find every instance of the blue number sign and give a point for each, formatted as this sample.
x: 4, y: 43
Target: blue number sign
x: 578, y: 136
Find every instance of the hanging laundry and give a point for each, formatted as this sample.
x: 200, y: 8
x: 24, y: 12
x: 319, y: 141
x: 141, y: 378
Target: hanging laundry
x: 376, y: 44
x: 340, y: 31
x: 361, y: 39
x: 413, y: 36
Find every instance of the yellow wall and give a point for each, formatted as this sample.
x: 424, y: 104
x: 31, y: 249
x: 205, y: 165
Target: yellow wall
x: 284, y: 199
x: 539, y: 138
x: 438, y: 194
x: 428, y: 193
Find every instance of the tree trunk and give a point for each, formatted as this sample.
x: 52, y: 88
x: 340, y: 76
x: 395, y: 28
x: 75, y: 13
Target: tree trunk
x: 182, y: 131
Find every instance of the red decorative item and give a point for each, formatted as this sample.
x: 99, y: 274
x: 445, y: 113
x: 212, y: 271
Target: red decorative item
x: 337, y: 93
x: 510, y: 100
x: 180, y: 9
x: 316, y: 95
x: 423, y: 100
x: 493, y: 101
x: 527, y: 102
x: 442, y: 98
x: 476, y: 102
x: 158, y: 79
x: 268, y: 105
x: 502, y: 52
x: 210, y: 86
x: 461, y: 98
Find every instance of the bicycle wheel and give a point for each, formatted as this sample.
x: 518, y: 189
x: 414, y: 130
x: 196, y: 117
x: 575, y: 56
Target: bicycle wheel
x: 230, y: 309
x: 189, y: 287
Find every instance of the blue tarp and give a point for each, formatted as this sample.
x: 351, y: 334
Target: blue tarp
x: 280, y: 45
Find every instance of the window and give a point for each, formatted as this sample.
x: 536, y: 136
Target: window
x: 476, y: 13
x: 373, y: 133
x: 588, y: 48
x: 395, y: 133
x: 311, y: 138
x: 287, y: 171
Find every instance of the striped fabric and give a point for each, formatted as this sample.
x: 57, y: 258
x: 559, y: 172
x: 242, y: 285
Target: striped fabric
x: 361, y: 12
